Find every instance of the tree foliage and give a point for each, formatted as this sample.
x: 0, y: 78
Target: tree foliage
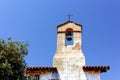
x: 12, y: 63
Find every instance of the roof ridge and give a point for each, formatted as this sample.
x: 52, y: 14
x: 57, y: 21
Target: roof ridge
x: 68, y: 22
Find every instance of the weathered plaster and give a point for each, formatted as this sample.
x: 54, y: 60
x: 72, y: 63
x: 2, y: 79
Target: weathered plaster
x: 50, y: 76
x: 93, y: 75
x: 69, y: 59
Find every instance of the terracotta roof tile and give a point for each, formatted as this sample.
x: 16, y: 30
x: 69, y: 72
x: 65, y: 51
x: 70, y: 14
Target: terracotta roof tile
x: 39, y: 70
x: 96, y: 68
x: 32, y: 68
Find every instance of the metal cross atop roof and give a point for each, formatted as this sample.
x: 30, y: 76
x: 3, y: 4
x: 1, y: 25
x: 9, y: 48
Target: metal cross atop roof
x: 69, y: 16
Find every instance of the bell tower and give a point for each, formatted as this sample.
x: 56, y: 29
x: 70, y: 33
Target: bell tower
x: 69, y: 58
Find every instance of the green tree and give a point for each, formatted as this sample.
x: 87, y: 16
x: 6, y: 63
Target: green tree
x: 12, y: 63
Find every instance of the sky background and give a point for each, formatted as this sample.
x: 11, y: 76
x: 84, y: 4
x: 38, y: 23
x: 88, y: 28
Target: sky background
x: 35, y: 21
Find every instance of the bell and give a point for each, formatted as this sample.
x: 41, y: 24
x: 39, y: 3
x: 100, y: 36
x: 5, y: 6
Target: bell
x: 69, y: 36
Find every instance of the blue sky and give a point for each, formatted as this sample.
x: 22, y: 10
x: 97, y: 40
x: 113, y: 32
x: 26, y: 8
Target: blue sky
x: 35, y: 21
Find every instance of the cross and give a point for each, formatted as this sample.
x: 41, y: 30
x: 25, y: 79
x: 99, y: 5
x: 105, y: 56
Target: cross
x: 69, y: 15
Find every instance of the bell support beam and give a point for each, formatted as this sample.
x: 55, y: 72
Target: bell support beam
x: 65, y: 31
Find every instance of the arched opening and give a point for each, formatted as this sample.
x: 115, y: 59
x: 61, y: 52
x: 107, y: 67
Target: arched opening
x: 69, y: 36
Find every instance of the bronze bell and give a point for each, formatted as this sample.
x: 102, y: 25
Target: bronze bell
x: 69, y: 36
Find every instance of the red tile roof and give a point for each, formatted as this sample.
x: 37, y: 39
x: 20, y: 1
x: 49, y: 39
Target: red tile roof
x: 68, y: 22
x: 96, y: 68
x: 39, y: 70
x: 32, y: 68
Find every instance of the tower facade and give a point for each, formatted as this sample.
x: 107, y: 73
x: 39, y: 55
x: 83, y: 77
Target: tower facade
x: 69, y: 58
